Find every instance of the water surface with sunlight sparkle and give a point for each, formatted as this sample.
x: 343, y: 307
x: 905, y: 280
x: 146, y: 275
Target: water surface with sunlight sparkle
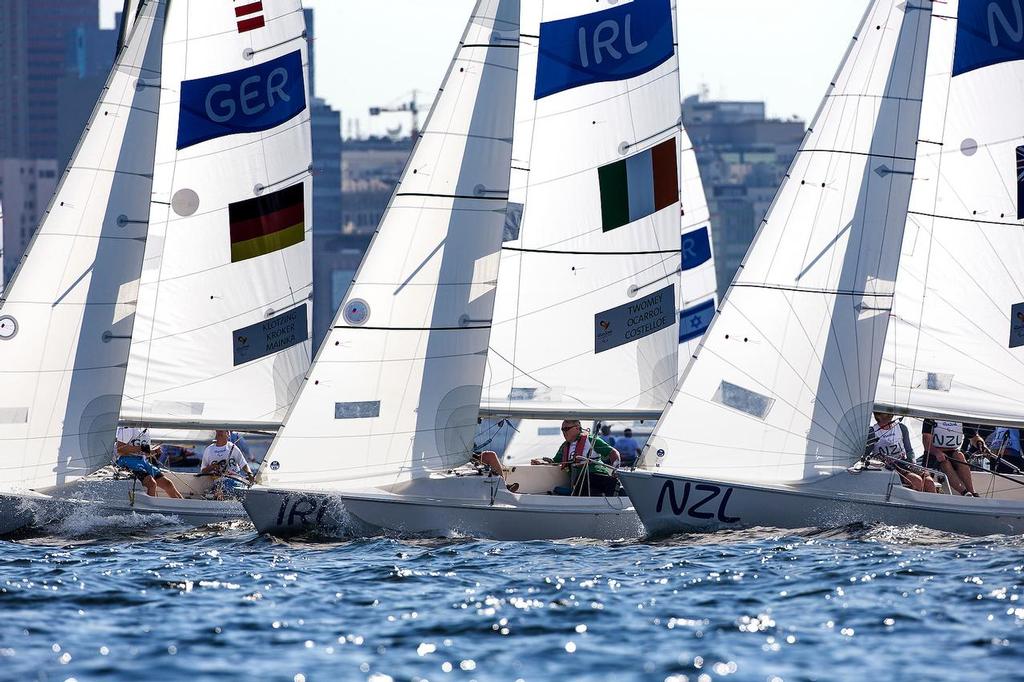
x: 131, y: 599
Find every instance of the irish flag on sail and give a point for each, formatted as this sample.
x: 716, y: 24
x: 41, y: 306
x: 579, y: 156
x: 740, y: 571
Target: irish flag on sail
x: 639, y: 185
x: 268, y: 223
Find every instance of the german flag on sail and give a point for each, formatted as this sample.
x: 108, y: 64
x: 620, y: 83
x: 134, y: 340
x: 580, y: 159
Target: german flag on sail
x: 268, y: 223
x: 639, y: 185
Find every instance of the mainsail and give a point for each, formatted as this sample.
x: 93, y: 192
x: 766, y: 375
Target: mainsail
x: 222, y: 328
x: 395, y: 388
x: 954, y: 341
x: 585, y: 320
x: 783, y: 384
x: 66, y: 317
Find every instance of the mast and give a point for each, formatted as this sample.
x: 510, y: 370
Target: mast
x: 67, y: 315
x: 783, y: 383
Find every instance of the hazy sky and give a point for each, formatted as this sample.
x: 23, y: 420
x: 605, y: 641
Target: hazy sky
x: 373, y: 52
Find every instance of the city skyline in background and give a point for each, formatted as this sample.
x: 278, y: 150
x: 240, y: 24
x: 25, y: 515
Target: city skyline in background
x: 782, y: 52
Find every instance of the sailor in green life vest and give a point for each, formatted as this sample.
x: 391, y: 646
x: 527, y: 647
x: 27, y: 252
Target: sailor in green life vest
x: 591, y: 460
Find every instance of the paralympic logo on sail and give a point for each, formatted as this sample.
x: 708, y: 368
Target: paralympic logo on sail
x: 250, y: 100
x: 988, y: 32
x: 611, y: 45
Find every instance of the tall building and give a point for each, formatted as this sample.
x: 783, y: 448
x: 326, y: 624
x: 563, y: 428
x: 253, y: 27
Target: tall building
x: 26, y: 187
x: 34, y: 37
x: 370, y: 173
x: 89, y: 56
x: 743, y: 157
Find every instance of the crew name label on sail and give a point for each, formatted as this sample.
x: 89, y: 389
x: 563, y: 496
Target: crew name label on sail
x: 271, y: 336
x: 611, y: 45
x: 634, y: 320
x: 250, y: 100
x: 988, y: 32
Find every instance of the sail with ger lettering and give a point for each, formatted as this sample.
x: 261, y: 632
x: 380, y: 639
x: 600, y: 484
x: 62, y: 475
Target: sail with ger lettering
x: 222, y: 332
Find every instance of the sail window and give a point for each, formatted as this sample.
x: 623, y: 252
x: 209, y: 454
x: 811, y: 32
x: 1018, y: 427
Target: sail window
x: 931, y: 381
x: 744, y: 400
x: 361, y: 410
x: 13, y: 415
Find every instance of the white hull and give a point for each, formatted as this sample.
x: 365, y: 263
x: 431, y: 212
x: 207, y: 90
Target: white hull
x: 443, y: 505
x: 110, y: 497
x: 670, y: 504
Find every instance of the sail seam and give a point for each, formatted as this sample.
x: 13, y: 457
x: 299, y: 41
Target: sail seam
x: 450, y: 196
x: 591, y: 253
x: 812, y: 290
x: 870, y: 154
x: 964, y: 220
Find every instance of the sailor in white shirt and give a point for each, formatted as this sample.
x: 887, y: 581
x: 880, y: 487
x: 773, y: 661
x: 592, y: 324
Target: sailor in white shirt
x: 225, y: 460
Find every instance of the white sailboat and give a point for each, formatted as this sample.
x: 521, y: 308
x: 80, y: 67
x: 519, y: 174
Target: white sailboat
x: 881, y: 277
x: 585, y: 197
x: 221, y: 325
x: 67, y: 313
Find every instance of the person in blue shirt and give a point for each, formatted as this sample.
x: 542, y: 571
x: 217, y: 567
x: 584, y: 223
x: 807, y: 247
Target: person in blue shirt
x: 1005, y: 445
x: 628, y: 447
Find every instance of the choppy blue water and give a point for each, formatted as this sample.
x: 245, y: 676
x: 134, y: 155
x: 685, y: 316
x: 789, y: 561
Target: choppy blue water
x: 125, y: 600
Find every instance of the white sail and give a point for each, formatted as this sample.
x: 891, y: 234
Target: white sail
x: 222, y: 328
x: 784, y: 381
x: 129, y: 14
x: 395, y: 388
x: 66, y: 317
x: 585, y: 317
x: 953, y: 346
x: 698, y: 286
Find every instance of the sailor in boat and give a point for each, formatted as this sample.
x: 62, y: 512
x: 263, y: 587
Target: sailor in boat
x: 943, y: 441
x: 135, y: 453
x: 628, y: 447
x: 492, y: 463
x: 1004, y: 445
x: 889, y: 441
x: 224, y: 460
x: 591, y: 460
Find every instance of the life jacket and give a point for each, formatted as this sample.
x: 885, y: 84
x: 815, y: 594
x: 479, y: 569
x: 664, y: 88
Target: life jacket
x: 947, y: 435
x: 581, y: 448
x: 889, y: 443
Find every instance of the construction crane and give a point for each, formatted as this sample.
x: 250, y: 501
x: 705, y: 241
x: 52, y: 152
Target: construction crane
x: 406, y: 107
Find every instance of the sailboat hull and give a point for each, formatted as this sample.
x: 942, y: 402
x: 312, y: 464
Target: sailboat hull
x: 443, y: 506
x: 669, y: 504
x: 107, y: 497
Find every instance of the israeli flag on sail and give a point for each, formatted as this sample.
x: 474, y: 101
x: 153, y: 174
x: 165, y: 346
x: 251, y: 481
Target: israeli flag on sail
x: 611, y: 45
x: 693, y: 322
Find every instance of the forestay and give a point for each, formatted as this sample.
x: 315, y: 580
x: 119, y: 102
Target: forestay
x: 395, y: 389
x: 784, y: 381
x: 222, y: 329
x: 66, y: 317
x: 585, y: 320
x: 954, y: 343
